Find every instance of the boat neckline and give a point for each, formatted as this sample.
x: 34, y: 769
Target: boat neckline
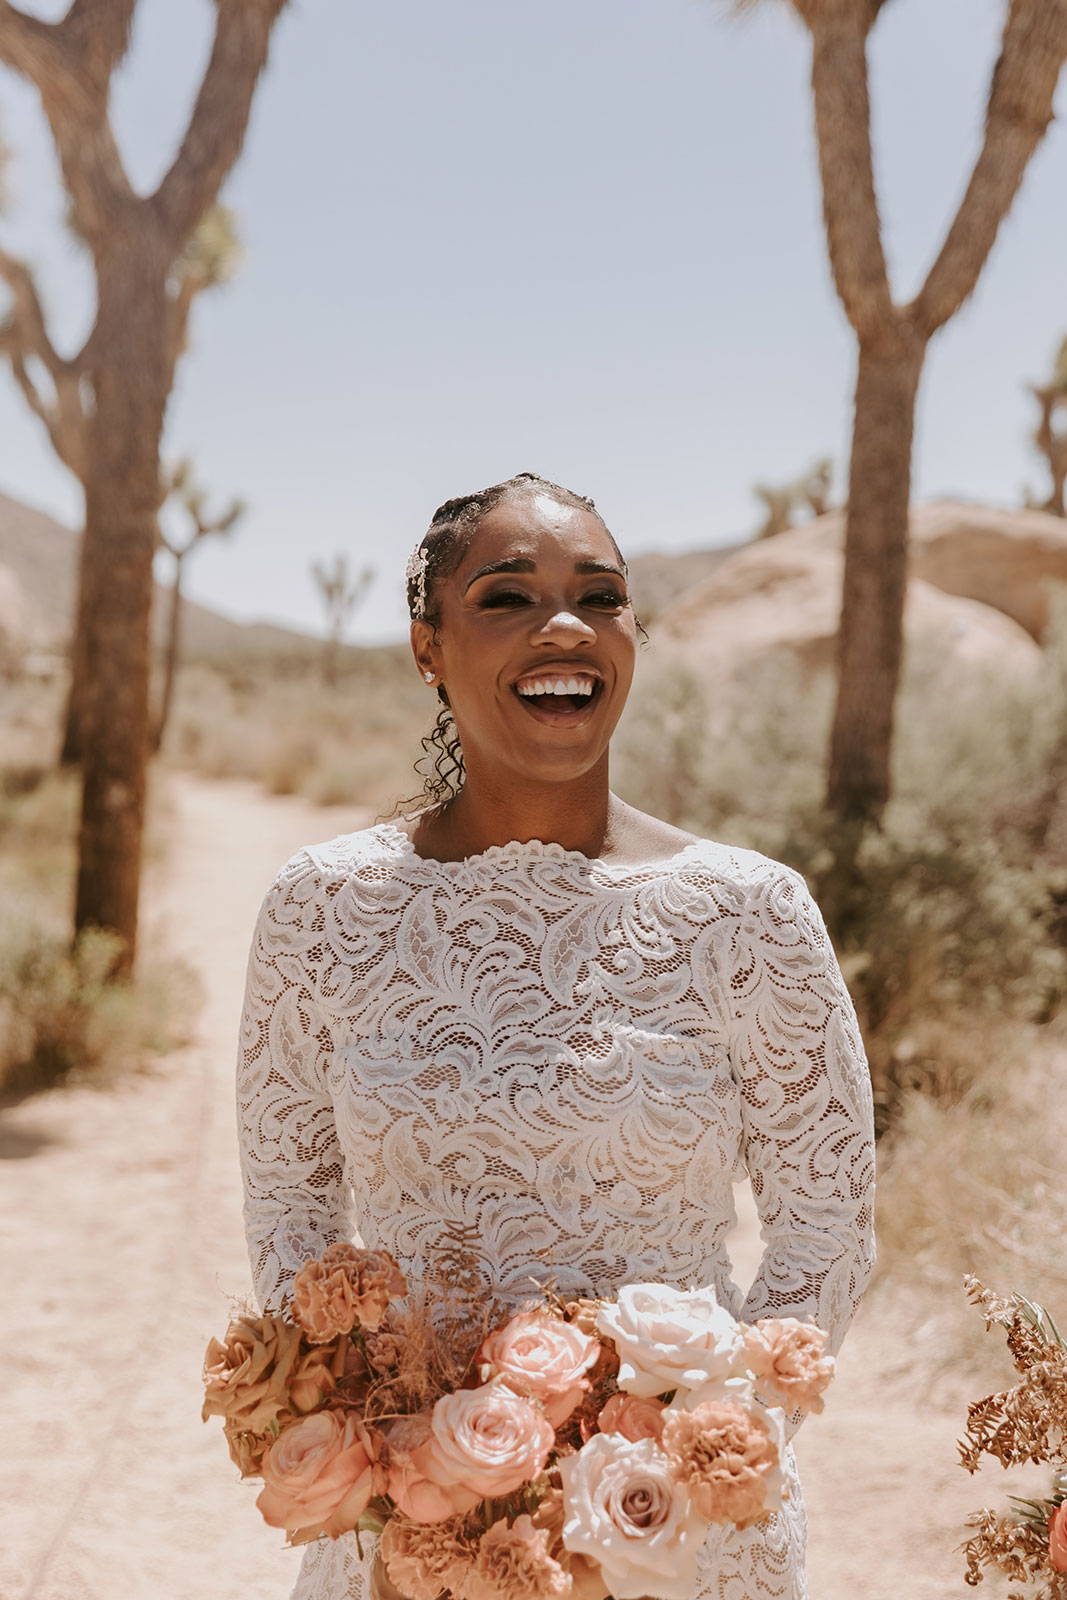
x: 523, y: 850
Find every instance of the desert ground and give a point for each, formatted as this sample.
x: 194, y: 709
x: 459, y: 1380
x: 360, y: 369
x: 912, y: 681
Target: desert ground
x: 121, y: 1227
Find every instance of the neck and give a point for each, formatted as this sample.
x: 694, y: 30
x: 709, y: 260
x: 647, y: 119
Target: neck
x: 579, y: 814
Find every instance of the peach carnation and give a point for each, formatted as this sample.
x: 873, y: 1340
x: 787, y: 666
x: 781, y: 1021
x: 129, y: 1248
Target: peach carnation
x: 319, y: 1475
x: 345, y: 1287
x: 261, y: 1371
x: 632, y: 1417
x: 541, y: 1357
x: 488, y: 1440
x: 513, y: 1563
x: 421, y: 1561
x: 727, y: 1456
x: 416, y: 1495
x: 789, y: 1356
x: 1057, y: 1539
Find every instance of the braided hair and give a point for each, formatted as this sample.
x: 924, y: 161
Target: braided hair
x: 442, y: 549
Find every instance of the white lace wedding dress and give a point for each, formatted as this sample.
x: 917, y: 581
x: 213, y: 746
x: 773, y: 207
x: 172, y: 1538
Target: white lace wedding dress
x: 576, y: 1059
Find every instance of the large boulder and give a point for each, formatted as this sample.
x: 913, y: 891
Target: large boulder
x: 783, y: 595
x: 1006, y: 559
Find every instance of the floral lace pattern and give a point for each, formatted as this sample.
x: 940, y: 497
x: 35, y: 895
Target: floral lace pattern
x: 572, y: 1059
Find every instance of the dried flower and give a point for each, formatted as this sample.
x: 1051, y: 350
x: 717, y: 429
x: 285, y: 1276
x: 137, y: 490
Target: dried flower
x: 261, y: 1370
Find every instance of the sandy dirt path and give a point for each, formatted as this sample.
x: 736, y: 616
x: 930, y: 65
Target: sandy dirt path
x: 120, y: 1222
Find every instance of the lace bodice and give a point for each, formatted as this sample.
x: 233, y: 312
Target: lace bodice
x: 573, y: 1059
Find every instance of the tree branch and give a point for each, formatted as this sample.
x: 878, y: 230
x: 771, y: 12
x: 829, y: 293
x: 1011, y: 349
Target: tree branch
x: 220, y: 116
x: 1018, y: 112
x: 70, y: 63
x: 27, y: 313
x: 27, y: 45
x: 98, y: 32
x: 846, y: 167
x: 24, y: 335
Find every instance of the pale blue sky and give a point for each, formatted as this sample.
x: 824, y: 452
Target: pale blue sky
x: 580, y: 237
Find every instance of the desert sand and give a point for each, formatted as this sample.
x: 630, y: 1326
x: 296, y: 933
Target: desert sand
x: 123, y: 1249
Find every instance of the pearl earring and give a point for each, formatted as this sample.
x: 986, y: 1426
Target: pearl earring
x: 429, y: 676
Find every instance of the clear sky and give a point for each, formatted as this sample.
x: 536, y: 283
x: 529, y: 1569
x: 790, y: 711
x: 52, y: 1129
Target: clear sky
x: 581, y: 237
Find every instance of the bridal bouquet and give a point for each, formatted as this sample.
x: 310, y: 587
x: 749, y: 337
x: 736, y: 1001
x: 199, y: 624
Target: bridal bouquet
x: 568, y: 1447
x: 1026, y: 1423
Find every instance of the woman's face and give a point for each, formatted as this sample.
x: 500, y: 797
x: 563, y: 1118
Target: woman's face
x: 536, y: 641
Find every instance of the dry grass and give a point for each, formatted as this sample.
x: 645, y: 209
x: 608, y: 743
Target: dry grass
x: 353, y: 743
x: 973, y: 1186
x: 61, y: 1019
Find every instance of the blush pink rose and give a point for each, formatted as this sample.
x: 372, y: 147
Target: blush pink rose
x: 487, y: 1439
x: 417, y: 1496
x: 318, y: 1476
x: 1057, y: 1539
x: 634, y: 1418
x: 543, y: 1358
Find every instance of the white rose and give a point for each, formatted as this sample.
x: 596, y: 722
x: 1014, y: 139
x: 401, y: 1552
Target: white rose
x: 671, y: 1338
x: 623, y: 1509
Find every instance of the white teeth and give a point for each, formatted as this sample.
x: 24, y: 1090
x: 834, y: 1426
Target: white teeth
x: 534, y: 686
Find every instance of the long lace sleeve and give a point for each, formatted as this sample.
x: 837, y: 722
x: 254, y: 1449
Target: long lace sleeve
x: 808, y: 1139
x: 296, y: 1196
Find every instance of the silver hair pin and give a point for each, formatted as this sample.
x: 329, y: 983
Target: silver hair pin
x: 415, y: 572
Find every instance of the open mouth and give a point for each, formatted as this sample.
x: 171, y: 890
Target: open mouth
x: 561, y: 704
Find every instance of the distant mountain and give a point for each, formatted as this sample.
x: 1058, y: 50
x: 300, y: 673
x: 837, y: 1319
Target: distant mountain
x: 38, y: 575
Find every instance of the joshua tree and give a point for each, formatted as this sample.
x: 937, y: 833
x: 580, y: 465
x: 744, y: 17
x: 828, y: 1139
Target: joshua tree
x: 1050, y: 441
x: 117, y: 387
x: 812, y: 490
x: 340, y: 594
x: 892, y: 341
x: 182, y: 486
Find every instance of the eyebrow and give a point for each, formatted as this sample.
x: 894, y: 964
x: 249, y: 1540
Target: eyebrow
x: 524, y: 564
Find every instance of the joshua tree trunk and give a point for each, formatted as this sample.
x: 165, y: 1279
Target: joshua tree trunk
x: 892, y: 341
x: 874, y: 587
x: 122, y: 504
x: 170, y: 657
x: 145, y: 282
x: 70, y: 753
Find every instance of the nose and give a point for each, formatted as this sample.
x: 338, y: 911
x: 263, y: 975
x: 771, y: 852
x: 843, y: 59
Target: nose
x: 564, y: 628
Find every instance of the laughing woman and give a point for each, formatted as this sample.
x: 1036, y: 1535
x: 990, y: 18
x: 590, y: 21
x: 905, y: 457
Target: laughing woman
x: 532, y: 1010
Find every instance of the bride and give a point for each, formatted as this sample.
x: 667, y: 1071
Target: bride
x: 533, y: 1011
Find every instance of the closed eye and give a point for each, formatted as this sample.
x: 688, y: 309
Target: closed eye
x: 513, y: 597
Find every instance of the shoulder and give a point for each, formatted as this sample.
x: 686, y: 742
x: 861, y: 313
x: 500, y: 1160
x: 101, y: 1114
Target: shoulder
x: 318, y: 870
x: 758, y: 895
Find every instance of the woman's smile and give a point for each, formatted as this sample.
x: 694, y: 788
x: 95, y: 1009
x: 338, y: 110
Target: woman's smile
x: 560, y: 694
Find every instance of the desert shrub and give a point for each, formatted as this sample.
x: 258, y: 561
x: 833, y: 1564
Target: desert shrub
x: 352, y: 744
x: 975, y: 1186
x: 943, y: 941
x: 61, y: 1017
